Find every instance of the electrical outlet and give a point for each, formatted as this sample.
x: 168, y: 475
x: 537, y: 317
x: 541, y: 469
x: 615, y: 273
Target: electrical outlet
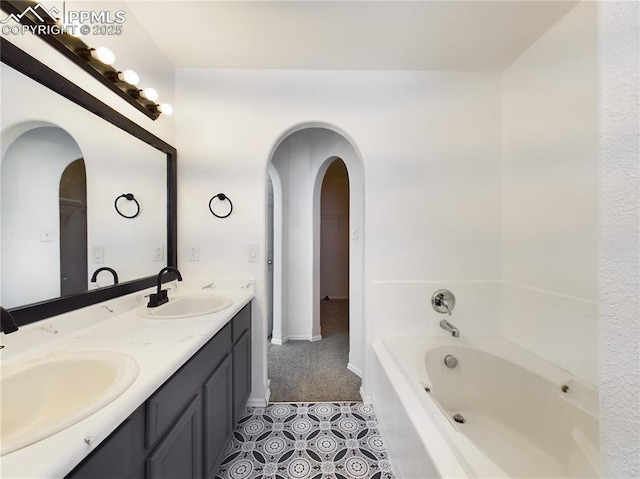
x: 194, y: 253
x: 46, y: 235
x: 158, y: 253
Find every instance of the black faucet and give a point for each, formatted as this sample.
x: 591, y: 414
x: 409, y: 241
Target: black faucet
x: 7, y: 323
x: 160, y: 297
x: 94, y: 277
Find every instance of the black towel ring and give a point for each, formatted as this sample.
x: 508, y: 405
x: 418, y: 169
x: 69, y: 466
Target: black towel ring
x: 221, y: 197
x: 130, y: 197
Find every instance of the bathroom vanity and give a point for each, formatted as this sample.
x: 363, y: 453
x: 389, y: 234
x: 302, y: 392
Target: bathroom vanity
x: 184, y: 428
x: 191, y: 382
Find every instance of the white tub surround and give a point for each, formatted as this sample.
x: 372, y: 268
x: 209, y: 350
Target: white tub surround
x: 160, y: 348
x: 524, y: 417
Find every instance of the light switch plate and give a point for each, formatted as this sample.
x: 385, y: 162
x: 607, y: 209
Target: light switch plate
x: 97, y: 254
x: 254, y: 253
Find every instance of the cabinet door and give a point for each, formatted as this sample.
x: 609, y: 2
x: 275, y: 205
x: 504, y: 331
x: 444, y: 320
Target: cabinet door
x: 120, y: 455
x: 218, y: 416
x: 179, y: 453
x: 241, y: 374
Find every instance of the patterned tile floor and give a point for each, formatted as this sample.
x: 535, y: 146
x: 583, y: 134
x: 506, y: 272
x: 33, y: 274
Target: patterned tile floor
x: 307, y: 441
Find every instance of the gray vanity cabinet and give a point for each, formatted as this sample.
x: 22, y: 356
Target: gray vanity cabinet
x: 184, y: 428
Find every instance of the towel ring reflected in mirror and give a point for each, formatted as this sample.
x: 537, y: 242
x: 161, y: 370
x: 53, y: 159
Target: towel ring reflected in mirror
x: 221, y: 197
x: 129, y: 197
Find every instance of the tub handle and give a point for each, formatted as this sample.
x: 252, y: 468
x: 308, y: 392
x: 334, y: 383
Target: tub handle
x: 443, y: 301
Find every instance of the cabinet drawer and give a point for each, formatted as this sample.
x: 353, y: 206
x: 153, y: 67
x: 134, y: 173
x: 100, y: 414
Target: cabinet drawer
x: 241, y: 322
x: 166, y: 404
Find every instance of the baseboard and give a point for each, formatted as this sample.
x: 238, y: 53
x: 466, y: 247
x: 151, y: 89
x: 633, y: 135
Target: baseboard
x: 260, y: 401
x: 367, y: 399
x: 279, y: 342
x: 354, y: 369
x: 304, y: 338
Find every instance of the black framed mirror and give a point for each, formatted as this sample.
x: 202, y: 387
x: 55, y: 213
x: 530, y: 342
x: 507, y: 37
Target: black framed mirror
x: 28, y: 66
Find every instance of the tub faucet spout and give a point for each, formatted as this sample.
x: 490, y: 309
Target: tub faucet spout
x: 447, y: 326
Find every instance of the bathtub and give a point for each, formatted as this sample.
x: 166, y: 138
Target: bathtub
x: 523, y: 416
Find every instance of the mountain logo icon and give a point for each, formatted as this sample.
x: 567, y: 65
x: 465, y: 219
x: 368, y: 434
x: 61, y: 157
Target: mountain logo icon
x: 39, y: 12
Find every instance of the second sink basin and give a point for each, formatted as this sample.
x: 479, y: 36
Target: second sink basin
x: 187, y: 306
x: 40, y: 398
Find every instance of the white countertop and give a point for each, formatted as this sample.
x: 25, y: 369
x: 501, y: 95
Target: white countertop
x: 160, y: 347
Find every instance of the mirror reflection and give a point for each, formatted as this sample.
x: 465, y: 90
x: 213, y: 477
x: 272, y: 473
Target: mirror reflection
x: 62, y: 170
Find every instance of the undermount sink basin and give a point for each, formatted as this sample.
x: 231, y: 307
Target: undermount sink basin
x: 43, y: 397
x: 186, y: 307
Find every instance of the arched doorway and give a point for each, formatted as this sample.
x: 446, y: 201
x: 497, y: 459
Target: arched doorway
x: 297, y: 168
x: 73, y: 229
x: 32, y: 168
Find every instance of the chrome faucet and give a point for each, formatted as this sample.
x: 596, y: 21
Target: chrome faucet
x: 7, y: 323
x: 94, y: 277
x: 447, y: 326
x: 160, y: 296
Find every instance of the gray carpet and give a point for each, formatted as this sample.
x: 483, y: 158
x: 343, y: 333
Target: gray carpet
x: 304, y: 371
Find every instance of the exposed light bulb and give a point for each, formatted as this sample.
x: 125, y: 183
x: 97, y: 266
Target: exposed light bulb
x: 165, y: 109
x: 149, y: 94
x: 129, y: 76
x: 104, y: 55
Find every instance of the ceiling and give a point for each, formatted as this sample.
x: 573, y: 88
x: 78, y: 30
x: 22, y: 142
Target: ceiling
x: 347, y: 35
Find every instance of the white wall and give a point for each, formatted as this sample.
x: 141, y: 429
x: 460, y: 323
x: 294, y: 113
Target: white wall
x: 293, y: 161
x: 334, y: 232
x: 550, y: 195
x: 430, y: 147
x: 619, y: 261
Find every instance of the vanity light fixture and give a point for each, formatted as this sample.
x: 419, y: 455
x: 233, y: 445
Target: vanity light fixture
x: 96, y: 61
